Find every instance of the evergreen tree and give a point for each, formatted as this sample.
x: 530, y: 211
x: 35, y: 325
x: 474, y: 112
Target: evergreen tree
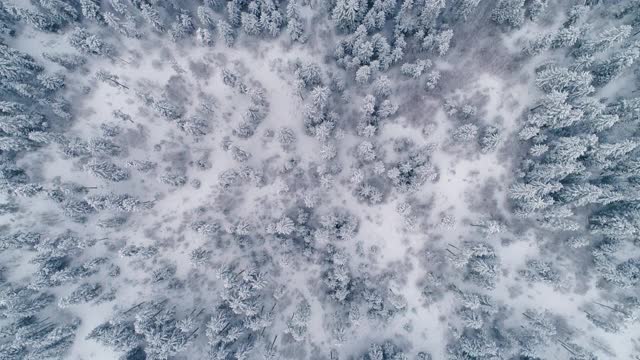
x: 107, y: 170
x: 91, y: 9
x: 182, y: 27
x: 566, y: 37
x: 541, y: 271
x: 152, y: 16
x: 89, y: 44
x: 205, y: 37
x: 206, y: 16
x: 464, y: 8
x: 432, y: 79
x: 226, y: 33
x: 415, y: 70
x: 337, y: 277
x: 616, y: 64
x: 20, y: 239
x: 19, y: 302
x: 163, y: 338
x: 297, y: 324
x: 138, y: 251
x: 7, y: 21
x: 295, y: 24
x: 118, y: 202
x: 40, y: 21
x: 346, y: 14
x: 84, y: 293
x: 509, y: 12
x: 118, y: 334
x: 68, y: 61
x: 378, y: 13
x: 490, y: 139
x: 465, y: 133
x: 535, y: 9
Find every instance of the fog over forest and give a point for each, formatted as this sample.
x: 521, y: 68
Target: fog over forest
x: 319, y: 179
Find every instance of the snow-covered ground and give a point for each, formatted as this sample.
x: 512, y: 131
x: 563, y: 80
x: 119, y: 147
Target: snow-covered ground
x: 398, y: 243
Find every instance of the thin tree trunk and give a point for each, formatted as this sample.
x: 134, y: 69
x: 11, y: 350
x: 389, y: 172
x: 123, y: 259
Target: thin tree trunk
x: 609, y: 307
x: 535, y: 107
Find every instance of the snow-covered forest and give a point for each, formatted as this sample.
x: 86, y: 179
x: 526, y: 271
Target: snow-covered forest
x: 319, y: 179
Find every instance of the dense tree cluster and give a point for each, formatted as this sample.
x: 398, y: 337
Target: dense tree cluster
x: 148, y: 330
x: 581, y: 154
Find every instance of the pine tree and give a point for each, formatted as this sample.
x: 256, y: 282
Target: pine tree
x: 82, y: 294
x: 205, y: 37
x: 377, y: 15
x: 429, y: 13
x: 144, y: 166
x: 107, y: 170
x: 51, y: 82
x: 541, y: 271
x: 250, y: 24
x: 89, y: 44
x: 126, y: 28
x: 173, y: 179
x: 509, y: 12
x: 152, y: 16
x: 346, y: 14
x: 438, y: 42
x: 118, y: 202
x: 465, y: 133
x: 566, y: 37
x: 91, y: 10
x: 167, y: 109
x: 535, y: 8
x: 55, y: 343
x: 616, y: 64
x: 62, y: 11
x: 226, y: 33
x: 162, y: 336
x: 41, y: 20
x: 68, y: 61
x: 7, y: 21
x: 103, y: 147
x: 554, y: 112
x: 120, y: 335
x: 490, y: 139
x: 182, y: 27
x: 20, y: 239
x: 19, y: 302
x: 337, y: 277
x: 76, y: 209
x: 195, y: 126
x: 206, y: 17
x: 271, y: 20
x: 464, y: 8
x: 575, y: 84
x: 473, y: 344
x: 537, y: 45
x: 17, y: 66
x: 295, y: 24
x: 110, y: 79
x: 119, y: 6
x: 610, y: 37
x: 199, y: 256
x: 432, y: 80
x: 297, y: 324
x: 144, y: 252
x: 415, y: 70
